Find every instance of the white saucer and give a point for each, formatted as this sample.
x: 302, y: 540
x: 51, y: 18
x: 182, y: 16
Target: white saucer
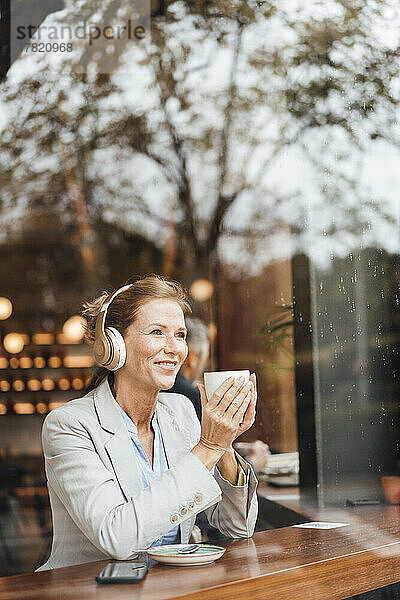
x: 169, y: 555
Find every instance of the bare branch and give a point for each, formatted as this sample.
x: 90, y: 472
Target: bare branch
x: 183, y: 183
x: 224, y: 202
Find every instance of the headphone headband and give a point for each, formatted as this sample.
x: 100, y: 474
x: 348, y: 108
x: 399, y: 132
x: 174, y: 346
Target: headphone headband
x: 119, y: 291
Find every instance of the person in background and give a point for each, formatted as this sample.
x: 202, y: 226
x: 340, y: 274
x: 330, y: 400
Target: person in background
x: 193, y: 368
x: 256, y: 453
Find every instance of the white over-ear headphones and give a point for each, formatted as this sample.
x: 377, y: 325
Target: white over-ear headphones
x: 109, y: 347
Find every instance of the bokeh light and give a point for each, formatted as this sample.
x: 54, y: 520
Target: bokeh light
x: 73, y: 328
x: 13, y: 343
x: 54, y: 362
x: 63, y: 384
x: 48, y: 384
x: 24, y: 408
x: 6, y: 308
x: 25, y: 362
x: 201, y: 289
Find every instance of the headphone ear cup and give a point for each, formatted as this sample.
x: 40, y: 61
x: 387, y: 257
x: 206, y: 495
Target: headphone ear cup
x: 118, y: 349
x: 102, y: 350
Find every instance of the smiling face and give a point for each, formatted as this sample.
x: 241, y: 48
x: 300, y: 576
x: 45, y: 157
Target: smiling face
x: 155, y: 344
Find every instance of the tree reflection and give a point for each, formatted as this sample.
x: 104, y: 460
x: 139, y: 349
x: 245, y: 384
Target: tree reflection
x: 235, y: 124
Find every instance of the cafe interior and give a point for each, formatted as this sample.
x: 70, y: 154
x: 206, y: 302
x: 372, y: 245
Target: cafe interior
x: 249, y: 151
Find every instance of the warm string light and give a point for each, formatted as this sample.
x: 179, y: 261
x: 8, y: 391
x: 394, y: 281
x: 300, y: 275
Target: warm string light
x: 48, y: 384
x: 201, y: 290
x: 212, y: 331
x: 14, y: 342
x: 73, y: 329
x: 41, y: 339
x: 54, y: 362
x: 25, y: 362
x: 24, y: 408
x: 39, y: 362
x: 78, y: 361
x: 6, y: 308
x: 63, y: 384
x: 77, y: 383
x: 4, y: 385
x: 34, y: 385
x: 41, y: 408
x: 18, y: 385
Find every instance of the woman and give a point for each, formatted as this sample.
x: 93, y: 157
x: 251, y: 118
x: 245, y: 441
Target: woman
x: 127, y: 466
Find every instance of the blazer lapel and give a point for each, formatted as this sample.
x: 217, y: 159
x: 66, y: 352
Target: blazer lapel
x: 176, y: 438
x: 177, y: 442
x: 119, y: 446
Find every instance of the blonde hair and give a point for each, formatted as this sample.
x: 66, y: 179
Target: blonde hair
x: 124, y: 308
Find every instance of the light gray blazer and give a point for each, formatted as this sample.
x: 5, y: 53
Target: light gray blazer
x: 99, y: 507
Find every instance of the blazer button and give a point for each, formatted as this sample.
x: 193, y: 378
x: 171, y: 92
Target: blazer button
x: 183, y: 511
x: 190, y: 505
x: 174, y: 518
x: 198, y: 498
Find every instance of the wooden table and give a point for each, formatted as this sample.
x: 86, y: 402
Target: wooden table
x: 280, y: 564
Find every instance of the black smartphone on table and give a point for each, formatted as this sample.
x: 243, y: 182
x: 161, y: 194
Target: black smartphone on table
x: 122, y: 572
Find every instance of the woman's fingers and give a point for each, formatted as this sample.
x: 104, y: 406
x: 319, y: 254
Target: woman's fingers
x: 234, y: 396
x: 250, y: 413
x: 242, y: 410
x: 249, y: 416
x: 220, y: 392
x: 237, y: 402
x: 253, y: 378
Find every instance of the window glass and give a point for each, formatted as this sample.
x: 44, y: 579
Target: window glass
x: 249, y: 150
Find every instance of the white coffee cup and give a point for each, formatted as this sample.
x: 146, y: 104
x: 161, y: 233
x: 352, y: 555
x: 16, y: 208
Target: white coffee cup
x: 213, y: 379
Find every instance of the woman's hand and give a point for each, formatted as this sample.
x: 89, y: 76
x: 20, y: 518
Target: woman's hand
x: 227, y: 414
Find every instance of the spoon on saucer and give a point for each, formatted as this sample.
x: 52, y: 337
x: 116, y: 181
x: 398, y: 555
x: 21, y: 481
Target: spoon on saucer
x: 188, y: 549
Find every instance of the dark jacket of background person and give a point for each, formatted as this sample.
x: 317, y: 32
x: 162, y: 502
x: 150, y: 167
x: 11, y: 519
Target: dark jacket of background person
x: 184, y: 387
